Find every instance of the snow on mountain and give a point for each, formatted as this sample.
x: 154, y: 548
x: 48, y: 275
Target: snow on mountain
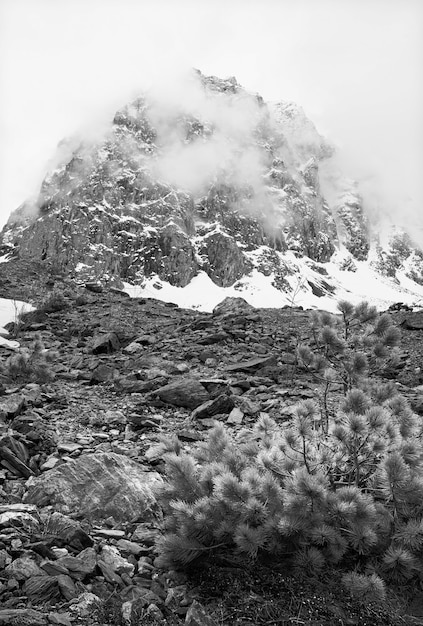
x: 206, y: 191
x: 258, y: 290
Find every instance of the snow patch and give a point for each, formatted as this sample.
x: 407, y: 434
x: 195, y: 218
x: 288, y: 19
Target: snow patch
x: 364, y: 284
x: 9, y: 312
x: 7, y: 343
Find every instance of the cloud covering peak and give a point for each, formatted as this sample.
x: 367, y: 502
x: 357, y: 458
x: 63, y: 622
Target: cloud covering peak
x: 355, y: 67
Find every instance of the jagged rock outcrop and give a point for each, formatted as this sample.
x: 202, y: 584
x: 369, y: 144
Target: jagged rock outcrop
x: 352, y: 225
x: 107, y: 210
x: 224, y: 261
x: 170, y: 254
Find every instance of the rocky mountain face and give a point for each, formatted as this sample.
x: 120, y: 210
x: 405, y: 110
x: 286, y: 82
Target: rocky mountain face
x: 210, y: 178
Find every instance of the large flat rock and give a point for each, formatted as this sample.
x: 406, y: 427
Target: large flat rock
x: 185, y: 392
x: 23, y: 617
x: 97, y: 486
x: 251, y: 365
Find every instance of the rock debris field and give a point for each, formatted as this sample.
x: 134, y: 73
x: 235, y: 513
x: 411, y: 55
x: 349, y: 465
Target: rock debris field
x: 78, y: 462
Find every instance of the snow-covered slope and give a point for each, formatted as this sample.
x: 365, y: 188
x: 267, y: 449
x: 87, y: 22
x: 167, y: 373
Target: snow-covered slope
x: 305, y: 285
x: 205, y: 190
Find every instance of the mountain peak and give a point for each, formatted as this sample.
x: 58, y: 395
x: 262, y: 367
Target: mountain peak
x: 204, y: 179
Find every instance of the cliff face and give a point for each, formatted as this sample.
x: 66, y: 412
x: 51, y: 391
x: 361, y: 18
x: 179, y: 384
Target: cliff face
x: 213, y: 179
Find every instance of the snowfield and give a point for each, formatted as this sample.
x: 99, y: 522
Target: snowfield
x: 364, y: 284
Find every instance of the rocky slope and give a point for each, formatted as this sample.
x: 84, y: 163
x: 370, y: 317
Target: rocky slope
x: 208, y: 179
x: 78, y: 460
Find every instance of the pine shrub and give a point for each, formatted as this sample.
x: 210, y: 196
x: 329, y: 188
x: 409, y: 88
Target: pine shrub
x: 342, y: 490
x: 55, y: 301
x: 349, y: 495
x: 31, y: 364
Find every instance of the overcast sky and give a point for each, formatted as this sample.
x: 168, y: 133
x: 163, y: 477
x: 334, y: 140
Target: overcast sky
x: 355, y: 66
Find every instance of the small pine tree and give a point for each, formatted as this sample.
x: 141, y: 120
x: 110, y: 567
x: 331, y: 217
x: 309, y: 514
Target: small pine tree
x: 348, y: 348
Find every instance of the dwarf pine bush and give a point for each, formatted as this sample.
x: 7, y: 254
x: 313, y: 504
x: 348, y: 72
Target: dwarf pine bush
x: 31, y: 364
x: 342, y: 490
x: 352, y: 495
x: 54, y: 301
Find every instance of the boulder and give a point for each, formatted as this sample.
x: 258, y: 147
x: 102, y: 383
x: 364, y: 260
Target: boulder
x: 79, y: 566
x: 85, y: 604
x: 23, y: 617
x: 41, y: 589
x: 18, y: 518
x: 67, y: 587
x: 104, y: 344
x: 60, y: 619
x: 97, y: 486
x: 247, y: 405
x: 102, y: 373
x: 12, y: 406
x: 112, y: 557
x: 130, y: 547
x: 222, y: 404
x: 133, y: 348
x: 66, y: 532
x: 143, y: 386
x: 235, y: 416
x: 14, y: 456
x: 185, y: 392
x: 233, y: 306
x: 109, y: 574
x: 213, y: 338
x: 252, y: 364
x: 5, y: 558
x: 22, y: 568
